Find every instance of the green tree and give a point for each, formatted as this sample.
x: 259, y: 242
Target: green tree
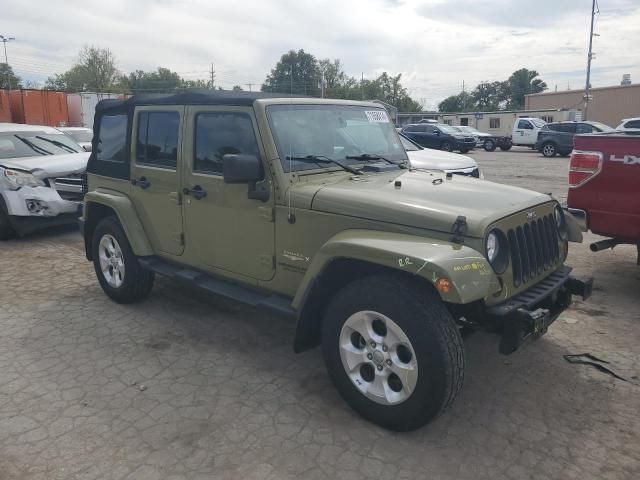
x: 237, y: 88
x: 8, y: 78
x: 523, y: 82
x: 490, y: 96
x: 462, y: 102
x: 95, y: 70
x: 159, y: 81
x: 296, y: 72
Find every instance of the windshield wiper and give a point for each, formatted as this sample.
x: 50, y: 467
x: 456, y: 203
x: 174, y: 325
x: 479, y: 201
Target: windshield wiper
x: 318, y: 159
x: 58, y: 144
x: 33, y: 146
x: 370, y: 156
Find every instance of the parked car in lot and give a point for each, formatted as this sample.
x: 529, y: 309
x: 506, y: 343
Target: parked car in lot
x: 604, y: 175
x: 630, y: 125
x: 557, y: 138
x: 40, y: 178
x: 448, y: 162
x: 440, y: 136
x: 81, y: 135
x: 486, y: 140
x: 525, y: 131
x: 318, y: 214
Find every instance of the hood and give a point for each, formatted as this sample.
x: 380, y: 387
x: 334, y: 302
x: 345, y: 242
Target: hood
x: 44, y: 166
x: 440, y: 160
x: 424, y: 200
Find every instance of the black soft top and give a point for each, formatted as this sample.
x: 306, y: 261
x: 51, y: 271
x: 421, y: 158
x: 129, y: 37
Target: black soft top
x: 192, y: 97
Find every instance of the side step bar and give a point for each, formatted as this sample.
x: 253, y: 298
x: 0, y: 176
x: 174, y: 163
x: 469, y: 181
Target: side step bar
x: 223, y: 288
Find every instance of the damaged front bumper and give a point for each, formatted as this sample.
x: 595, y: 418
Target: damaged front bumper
x: 527, y: 316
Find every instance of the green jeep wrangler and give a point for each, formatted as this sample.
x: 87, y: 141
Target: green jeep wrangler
x: 311, y: 208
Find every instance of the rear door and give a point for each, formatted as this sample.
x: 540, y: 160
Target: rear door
x: 225, y: 229
x: 157, y: 139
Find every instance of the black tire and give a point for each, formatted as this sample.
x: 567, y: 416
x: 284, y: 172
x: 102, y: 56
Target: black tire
x: 549, y: 149
x: 446, y: 146
x: 505, y: 148
x: 464, y: 150
x: 432, y: 332
x: 489, y: 145
x: 7, y: 232
x: 137, y: 282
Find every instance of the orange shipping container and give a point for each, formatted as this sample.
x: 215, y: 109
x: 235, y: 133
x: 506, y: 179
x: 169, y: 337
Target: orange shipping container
x: 5, y: 111
x: 39, y: 107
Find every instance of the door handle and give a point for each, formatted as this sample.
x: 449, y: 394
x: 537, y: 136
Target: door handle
x: 141, y: 182
x: 196, y: 192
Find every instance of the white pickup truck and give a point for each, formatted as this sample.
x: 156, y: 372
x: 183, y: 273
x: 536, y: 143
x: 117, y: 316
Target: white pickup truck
x: 525, y: 131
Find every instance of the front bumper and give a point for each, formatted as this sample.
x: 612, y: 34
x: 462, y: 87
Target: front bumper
x: 462, y: 145
x: 527, y: 316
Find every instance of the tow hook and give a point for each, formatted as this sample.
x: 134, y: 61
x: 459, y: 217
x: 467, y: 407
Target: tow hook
x: 582, y: 288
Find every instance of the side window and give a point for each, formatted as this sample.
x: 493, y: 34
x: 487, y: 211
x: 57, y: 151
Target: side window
x: 632, y: 124
x: 218, y: 134
x: 112, y: 138
x: 584, y: 128
x: 157, y: 138
x: 556, y: 127
x: 525, y: 124
x: 411, y: 129
x: 494, y: 123
x: 428, y: 129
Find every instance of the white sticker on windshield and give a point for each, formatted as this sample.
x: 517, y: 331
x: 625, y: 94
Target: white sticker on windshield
x: 377, y: 116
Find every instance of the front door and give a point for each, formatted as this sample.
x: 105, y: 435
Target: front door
x: 156, y: 160
x: 525, y: 134
x: 225, y: 229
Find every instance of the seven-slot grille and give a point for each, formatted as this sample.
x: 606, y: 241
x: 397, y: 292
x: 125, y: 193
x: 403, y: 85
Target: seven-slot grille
x: 534, y: 248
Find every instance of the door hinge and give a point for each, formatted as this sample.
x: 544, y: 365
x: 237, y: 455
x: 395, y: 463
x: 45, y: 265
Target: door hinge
x: 176, y: 197
x: 268, y: 261
x: 268, y: 213
x: 179, y: 238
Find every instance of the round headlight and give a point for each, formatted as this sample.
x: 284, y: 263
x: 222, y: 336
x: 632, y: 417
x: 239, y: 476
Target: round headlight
x: 497, y: 250
x: 561, y: 222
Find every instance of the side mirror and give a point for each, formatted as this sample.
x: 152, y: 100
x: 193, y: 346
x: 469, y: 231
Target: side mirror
x: 238, y: 168
x: 437, y: 132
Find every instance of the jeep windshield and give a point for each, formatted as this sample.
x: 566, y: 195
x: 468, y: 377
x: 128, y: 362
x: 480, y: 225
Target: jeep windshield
x: 347, y: 134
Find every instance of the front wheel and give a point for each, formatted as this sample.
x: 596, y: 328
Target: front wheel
x: 489, y: 145
x: 549, y: 150
x: 393, y: 351
x: 464, y: 150
x: 117, y: 268
x: 505, y: 148
x: 446, y: 146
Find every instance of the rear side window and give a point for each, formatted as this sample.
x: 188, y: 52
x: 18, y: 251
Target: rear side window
x: 112, y: 139
x: 157, y: 138
x: 632, y: 124
x: 219, y: 134
x: 584, y: 128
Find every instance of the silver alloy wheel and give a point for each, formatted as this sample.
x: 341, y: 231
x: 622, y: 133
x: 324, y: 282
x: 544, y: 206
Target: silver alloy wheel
x: 378, y: 357
x: 111, y: 261
x: 549, y: 150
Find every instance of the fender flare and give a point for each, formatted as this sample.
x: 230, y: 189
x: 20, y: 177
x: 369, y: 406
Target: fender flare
x: 471, y: 276
x: 127, y: 215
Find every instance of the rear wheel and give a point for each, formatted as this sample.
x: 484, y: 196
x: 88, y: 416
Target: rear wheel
x: 117, y: 268
x: 446, y: 146
x: 505, y: 148
x: 464, y: 150
x: 549, y: 150
x: 489, y: 145
x: 393, y: 351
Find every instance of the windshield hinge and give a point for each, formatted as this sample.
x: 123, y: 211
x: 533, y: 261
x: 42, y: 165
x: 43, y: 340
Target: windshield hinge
x: 458, y: 229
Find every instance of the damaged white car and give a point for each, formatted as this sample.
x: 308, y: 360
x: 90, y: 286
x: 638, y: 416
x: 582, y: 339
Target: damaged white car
x: 40, y: 178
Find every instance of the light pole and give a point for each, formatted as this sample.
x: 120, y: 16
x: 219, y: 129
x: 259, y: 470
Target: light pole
x: 4, y: 40
x: 590, y: 56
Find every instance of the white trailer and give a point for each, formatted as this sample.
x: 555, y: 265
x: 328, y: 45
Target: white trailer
x: 82, y: 107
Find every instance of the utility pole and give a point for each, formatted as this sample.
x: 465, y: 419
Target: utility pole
x: 322, y: 81
x: 4, y: 40
x: 213, y: 76
x: 589, y: 57
x: 362, y: 85
x: 249, y: 85
x: 464, y: 100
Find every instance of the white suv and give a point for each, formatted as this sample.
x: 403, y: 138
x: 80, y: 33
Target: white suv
x: 40, y: 178
x: 630, y: 125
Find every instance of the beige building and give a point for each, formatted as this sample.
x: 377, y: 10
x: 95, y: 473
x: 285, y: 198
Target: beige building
x: 608, y: 105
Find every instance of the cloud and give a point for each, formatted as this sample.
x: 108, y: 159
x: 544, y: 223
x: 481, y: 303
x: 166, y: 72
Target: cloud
x: 435, y: 44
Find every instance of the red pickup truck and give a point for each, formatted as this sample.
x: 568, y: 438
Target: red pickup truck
x: 604, y: 188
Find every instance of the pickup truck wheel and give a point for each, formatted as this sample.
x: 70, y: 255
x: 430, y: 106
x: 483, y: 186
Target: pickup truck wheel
x: 117, y: 268
x: 549, y: 150
x: 505, y: 148
x: 393, y: 351
x: 489, y: 145
x: 6, y: 230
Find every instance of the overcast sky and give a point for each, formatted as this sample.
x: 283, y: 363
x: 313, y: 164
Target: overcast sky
x: 435, y: 44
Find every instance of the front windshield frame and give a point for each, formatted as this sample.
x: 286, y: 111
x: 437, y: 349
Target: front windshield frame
x: 21, y: 149
x: 343, y: 131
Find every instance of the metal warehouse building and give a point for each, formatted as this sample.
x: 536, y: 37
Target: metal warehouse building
x: 608, y: 105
